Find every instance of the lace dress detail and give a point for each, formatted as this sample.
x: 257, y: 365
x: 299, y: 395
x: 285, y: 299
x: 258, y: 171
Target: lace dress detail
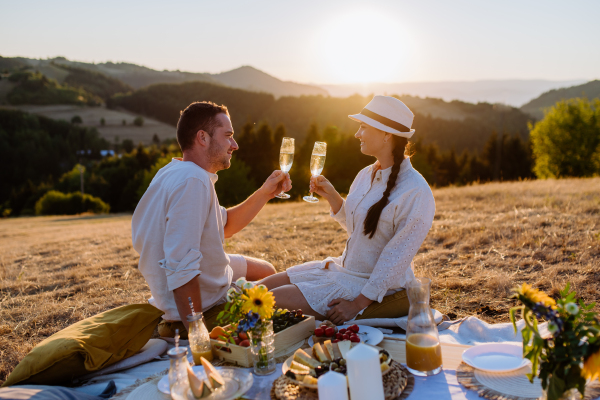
x: 381, y: 265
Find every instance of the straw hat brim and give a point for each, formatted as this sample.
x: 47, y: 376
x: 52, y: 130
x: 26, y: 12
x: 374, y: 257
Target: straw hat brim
x: 380, y: 126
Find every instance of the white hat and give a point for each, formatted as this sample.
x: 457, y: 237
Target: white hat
x: 387, y: 114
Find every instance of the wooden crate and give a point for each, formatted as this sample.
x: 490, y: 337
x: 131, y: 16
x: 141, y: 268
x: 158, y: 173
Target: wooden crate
x: 286, y: 341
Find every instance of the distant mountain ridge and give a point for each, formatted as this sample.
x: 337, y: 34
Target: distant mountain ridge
x: 514, y: 92
x: 136, y: 76
x: 536, y: 107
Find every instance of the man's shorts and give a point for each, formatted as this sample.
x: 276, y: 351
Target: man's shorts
x: 239, y: 265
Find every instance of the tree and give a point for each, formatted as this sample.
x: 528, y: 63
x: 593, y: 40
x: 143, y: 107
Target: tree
x: 127, y: 145
x: 156, y: 139
x: 102, y: 121
x: 123, y: 122
x: 567, y: 141
x: 76, y: 120
x: 138, y: 121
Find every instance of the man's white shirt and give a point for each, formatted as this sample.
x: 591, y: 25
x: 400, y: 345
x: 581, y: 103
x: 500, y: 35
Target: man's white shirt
x: 178, y: 230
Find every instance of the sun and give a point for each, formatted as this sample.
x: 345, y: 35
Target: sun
x: 364, y: 46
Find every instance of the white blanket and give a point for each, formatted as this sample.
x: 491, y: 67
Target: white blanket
x: 468, y: 331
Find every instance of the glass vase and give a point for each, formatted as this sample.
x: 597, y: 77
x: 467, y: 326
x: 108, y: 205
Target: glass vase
x: 262, y: 346
x: 571, y: 394
x: 423, y: 349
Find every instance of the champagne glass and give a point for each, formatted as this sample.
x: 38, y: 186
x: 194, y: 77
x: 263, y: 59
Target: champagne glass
x: 286, y: 159
x: 317, y: 162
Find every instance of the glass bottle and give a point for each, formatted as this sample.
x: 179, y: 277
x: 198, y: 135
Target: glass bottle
x: 199, y: 338
x: 178, y: 375
x: 262, y: 346
x: 423, y: 349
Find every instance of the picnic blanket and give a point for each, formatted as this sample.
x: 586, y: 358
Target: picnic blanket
x: 469, y: 331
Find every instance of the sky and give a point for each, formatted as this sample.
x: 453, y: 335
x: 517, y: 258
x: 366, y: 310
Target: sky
x: 322, y: 42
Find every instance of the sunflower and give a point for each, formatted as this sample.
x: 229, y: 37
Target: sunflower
x: 259, y: 300
x: 591, y: 367
x: 536, y: 296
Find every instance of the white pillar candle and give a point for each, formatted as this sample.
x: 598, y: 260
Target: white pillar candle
x: 364, y: 373
x: 333, y: 386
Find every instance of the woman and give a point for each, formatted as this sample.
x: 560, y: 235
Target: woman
x: 387, y: 215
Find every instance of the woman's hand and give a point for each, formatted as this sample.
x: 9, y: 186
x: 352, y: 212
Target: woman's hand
x: 342, y: 310
x: 321, y: 186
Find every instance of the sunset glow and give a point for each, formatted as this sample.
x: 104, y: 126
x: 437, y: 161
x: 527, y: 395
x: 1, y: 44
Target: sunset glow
x: 364, y: 46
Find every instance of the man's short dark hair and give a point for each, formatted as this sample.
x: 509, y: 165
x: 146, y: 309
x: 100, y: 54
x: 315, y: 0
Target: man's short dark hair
x: 200, y: 115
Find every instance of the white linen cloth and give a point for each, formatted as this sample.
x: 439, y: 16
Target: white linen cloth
x: 381, y: 265
x: 178, y: 230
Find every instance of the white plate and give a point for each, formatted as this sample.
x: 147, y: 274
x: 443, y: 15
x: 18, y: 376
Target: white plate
x: 237, y: 382
x: 495, y: 357
x: 367, y: 334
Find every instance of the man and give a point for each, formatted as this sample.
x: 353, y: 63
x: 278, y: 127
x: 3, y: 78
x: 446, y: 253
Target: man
x: 179, y: 228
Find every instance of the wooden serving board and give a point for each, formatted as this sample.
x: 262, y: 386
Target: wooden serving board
x: 286, y: 341
x: 451, y: 353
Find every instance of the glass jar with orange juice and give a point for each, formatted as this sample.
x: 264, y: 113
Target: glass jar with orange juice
x: 199, y: 339
x: 423, y: 349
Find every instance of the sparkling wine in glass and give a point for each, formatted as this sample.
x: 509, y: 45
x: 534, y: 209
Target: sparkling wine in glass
x: 317, y: 162
x: 286, y: 159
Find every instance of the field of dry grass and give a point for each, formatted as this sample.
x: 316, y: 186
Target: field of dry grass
x: 113, y: 127
x: 55, y: 271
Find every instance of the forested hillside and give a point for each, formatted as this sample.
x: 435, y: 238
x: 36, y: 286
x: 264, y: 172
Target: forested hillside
x: 464, y: 126
x: 536, y: 107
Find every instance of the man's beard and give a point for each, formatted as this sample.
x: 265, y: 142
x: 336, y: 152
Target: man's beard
x: 218, y: 158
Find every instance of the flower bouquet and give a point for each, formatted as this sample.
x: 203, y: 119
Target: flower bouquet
x: 247, y: 315
x: 570, y: 354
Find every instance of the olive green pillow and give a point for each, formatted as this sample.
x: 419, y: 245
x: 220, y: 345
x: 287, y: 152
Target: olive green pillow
x: 87, y: 346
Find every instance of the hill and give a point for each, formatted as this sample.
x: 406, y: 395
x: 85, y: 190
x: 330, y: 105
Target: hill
x: 137, y: 76
x: 514, y: 92
x: 485, y: 240
x: 536, y: 107
x: 113, y: 129
x: 448, y: 124
x: 250, y: 78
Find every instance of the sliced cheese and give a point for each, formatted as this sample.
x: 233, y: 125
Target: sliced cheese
x: 298, y: 366
x: 309, y: 380
x: 328, y: 348
x: 303, y: 358
x: 336, y: 351
x: 344, y: 347
x: 319, y: 353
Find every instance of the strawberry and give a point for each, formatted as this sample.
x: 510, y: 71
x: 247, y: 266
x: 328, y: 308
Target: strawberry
x: 329, y: 332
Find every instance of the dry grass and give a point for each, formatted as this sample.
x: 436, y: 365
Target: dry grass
x: 55, y: 271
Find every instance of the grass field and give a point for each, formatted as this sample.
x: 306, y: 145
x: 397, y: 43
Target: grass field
x: 113, y: 121
x: 485, y: 239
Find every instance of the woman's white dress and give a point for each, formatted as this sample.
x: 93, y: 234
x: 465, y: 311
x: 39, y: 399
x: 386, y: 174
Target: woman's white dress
x: 381, y: 265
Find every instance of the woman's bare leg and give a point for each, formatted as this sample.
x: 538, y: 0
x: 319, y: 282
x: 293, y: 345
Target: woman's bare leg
x: 276, y: 280
x: 290, y: 297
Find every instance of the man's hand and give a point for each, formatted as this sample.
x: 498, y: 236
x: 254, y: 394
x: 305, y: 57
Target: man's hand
x: 342, y: 310
x: 278, y: 182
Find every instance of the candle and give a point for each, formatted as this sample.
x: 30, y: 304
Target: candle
x: 333, y: 386
x: 364, y: 373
